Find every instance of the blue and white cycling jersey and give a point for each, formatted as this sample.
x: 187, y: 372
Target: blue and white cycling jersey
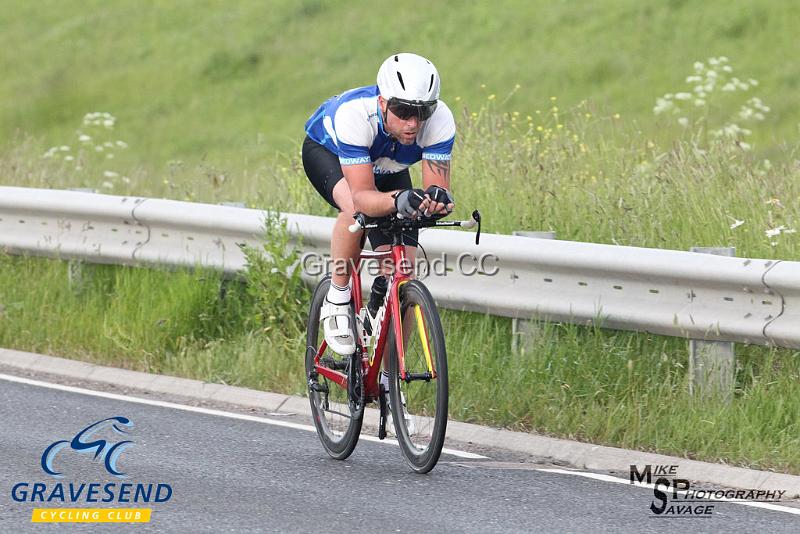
x: 350, y: 125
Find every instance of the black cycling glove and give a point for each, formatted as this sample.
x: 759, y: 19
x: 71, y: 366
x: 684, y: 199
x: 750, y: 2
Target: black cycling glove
x: 407, y: 201
x: 442, y: 195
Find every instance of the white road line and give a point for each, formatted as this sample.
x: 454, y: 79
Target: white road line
x: 609, y: 478
x: 207, y: 411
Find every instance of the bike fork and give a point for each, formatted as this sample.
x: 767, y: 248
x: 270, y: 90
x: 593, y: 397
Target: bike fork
x: 384, y: 410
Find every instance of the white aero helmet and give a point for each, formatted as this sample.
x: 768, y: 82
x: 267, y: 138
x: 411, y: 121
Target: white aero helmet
x: 411, y: 80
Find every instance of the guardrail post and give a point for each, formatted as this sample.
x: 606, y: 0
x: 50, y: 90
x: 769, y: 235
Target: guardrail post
x: 524, y: 331
x: 76, y: 275
x: 225, y: 283
x: 712, y: 364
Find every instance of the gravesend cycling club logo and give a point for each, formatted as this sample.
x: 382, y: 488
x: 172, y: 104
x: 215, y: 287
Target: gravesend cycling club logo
x: 104, y: 441
x: 107, y: 452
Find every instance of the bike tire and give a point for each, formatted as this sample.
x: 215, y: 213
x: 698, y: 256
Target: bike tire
x: 337, y: 421
x: 419, y: 407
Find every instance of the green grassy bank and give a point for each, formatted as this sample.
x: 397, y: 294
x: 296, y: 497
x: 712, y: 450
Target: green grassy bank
x: 232, y: 83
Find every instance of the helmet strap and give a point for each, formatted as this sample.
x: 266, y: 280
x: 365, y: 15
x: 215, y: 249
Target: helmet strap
x: 384, y: 116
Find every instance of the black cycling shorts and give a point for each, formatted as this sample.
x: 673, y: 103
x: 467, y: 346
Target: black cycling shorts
x: 324, y: 171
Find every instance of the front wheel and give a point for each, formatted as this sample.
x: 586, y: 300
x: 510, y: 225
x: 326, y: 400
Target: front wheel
x: 337, y: 418
x: 419, y: 402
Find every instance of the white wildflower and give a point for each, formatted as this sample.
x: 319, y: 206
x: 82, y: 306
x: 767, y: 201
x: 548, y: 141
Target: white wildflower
x: 729, y: 87
x: 64, y: 148
x: 772, y: 232
x: 699, y: 67
x: 84, y: 138
x: 122, y: 144
x: 743, y: 145
x: 694, y: 79
x: 683, y: 96
x: 125, y: 179
x: 108, y: 185
x: 108, y: 123
x: 69, y: 158
x: 110, y: 174
x: 727, y: 68
x: 662, y: 105
x: 683, y: 121
x: 99, y: 148
x: 767, y: 164
x: 699, y: 102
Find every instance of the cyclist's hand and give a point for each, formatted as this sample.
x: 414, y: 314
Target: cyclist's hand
x: 408, y: 202
x: 440, y: 203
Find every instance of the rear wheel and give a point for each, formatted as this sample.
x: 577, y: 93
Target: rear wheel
x: 419, y: 403
x: 336, y: 417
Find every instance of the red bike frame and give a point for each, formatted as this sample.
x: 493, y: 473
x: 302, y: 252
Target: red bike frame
x: 371, y: 363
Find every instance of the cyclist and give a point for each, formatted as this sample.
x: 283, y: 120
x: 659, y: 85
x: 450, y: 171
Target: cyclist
x: 356, y: 153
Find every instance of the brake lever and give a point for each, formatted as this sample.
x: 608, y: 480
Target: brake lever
x: 477, y: 216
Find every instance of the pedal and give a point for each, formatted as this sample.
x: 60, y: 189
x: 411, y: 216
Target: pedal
x: 384, y: 412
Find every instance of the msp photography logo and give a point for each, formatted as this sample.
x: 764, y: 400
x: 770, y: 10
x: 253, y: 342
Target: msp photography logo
x: 676, y: 497
x: 59, y: 456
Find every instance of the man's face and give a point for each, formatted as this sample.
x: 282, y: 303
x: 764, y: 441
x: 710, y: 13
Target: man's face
x: 404, y: 131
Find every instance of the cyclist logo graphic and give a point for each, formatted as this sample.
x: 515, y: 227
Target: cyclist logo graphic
x: 83, y: 443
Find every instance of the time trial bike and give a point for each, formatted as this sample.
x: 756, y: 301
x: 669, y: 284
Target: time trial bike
x: 407, y: 332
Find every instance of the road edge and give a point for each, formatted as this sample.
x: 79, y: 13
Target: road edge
x: 576, y: 454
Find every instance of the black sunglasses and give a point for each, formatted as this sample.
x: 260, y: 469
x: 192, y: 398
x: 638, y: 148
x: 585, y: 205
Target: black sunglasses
x: 405, y: 109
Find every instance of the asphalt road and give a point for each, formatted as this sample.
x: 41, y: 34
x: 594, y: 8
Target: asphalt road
x: 233, y: 475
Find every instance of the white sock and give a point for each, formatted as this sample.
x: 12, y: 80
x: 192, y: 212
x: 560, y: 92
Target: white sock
x: 338, y: 295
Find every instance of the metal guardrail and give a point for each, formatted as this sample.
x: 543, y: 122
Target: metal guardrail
x: 666, y: 292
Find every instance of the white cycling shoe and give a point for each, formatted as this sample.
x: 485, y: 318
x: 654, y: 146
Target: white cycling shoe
x: 335, y: 320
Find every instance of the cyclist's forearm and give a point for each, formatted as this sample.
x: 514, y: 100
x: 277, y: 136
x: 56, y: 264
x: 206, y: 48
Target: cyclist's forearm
x: 436, y: 173
x: 373, y: 203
